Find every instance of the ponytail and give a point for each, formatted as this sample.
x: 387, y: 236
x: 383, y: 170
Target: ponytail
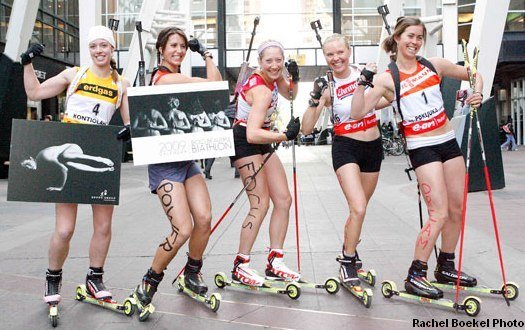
x: 389, y: 45
x: 114, y: 72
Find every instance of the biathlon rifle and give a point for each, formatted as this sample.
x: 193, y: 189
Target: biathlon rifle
x: 142, y: 64
x: 245, y: 70
x: 383, y: 11
x: 316, y: 26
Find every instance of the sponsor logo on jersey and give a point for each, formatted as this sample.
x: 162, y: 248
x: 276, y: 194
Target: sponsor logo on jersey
x: 416, y: 80
x: 346, y: 90
x: 98, y: 90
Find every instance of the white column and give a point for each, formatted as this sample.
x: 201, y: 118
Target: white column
x: 486, y: 33
x: 450, y: 30
x: 89, y: 14
x: 20, y: 28
x: 428, y: 8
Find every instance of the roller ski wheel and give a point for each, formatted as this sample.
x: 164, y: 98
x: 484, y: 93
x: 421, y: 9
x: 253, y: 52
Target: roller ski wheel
x: 144, y: 311
x: 368, y: 276
x: 130, y: 307
x: 292, y: 289
x: 213, y: 301
x: 108, y: 303
x: 53, y: 315
x: 364, y: 296
x: 220, y: 280
x: 388, y: 288
x: 331, y: 285
x: 511, y: 294
x: 513, y: 291
x: 471, y: 305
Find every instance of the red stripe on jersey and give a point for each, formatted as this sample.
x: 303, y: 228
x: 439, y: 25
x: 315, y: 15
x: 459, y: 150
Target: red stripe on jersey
x: 356, y: 126
x: 423, y: 126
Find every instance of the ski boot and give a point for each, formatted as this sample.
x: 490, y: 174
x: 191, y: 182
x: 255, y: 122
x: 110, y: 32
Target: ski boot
x: 143, y: 294
x: 417, y: 284
x: 94, y: 284
x: 446, y: 276
x: 276, y: 269
x: 418, y: 288
x: 446, y: 272
x: 368, y: 276
x: 94, y: 292
x: 191, y: 283
x: 244, y: 277
x: 52, y: 294
x: 349, y: 278
x: 193, y: 278
x: 279, y: 273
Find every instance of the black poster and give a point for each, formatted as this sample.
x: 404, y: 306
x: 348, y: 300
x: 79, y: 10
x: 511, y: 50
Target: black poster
x: 54, y: 162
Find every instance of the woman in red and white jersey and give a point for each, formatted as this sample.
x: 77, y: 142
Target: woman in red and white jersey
x: 432, y: 147
x: 356, y: 149
x: 256, y: 103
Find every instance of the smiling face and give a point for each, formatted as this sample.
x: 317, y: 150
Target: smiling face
x: 101, y: 52
x: 410, y: 41
x: 271, y: 62
x: 337, y: 55
x: 174, y: 51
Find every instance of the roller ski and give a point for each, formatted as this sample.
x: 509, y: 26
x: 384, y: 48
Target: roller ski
x: 446, y: 278
x: 418, y: 288
x: 95, y: 292
x: 246, y: 278
x: 144, y: 292
x: 192, y: 284
x: 128, y: 308
x: 349, y: 278
x: 52, y: 294
x: 277, y: 272
x: 213, y: 301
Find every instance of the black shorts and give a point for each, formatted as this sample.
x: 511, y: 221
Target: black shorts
x: 367, y: 154
x: 245, y: 149
x: 437, y: 153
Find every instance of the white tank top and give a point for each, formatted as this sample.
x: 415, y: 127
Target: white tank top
x: 421, y: 101
x: 243, y: 108
x: 342, y: 107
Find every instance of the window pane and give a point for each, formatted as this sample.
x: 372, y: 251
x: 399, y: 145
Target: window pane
x: 517, y: 5
x: 48, y: 40
x: 60, y: 44
x: 48, y: 6
x: 60, y: 8
x: 515, y: 22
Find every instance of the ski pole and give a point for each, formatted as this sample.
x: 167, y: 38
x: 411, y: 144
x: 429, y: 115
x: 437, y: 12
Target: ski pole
x: 296, y: 208
x: 471, y: 69
x: 249, y: 181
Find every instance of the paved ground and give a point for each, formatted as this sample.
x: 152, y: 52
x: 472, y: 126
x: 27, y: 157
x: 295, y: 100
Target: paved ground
x: 139, y: 225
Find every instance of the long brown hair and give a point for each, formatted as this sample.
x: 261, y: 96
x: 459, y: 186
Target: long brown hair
x: 114, y: 72
x: 390, y: 45
x: 164, y: 35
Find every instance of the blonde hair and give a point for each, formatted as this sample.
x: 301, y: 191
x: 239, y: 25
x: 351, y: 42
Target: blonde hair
x: 403, y: 22
x: 337, y: 36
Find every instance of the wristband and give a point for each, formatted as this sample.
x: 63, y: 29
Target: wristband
x: 207, y: 54
x: 313, y: 103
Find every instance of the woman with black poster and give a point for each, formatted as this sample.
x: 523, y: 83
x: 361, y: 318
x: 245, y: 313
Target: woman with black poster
x: 180, y: 186
x: 94, y: 93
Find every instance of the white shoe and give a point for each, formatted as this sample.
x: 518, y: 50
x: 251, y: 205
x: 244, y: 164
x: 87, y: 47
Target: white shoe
x: 276, y: 269
x: 244, y: 274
